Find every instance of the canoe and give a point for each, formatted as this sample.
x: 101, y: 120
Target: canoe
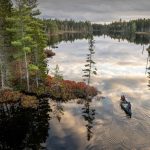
x: 126, y: 106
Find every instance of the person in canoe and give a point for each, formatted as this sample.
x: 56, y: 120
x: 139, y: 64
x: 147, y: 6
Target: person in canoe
x: 125, y: 105
x: 123, y: 99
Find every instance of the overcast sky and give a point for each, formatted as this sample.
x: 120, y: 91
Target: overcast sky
x: 95, y: 10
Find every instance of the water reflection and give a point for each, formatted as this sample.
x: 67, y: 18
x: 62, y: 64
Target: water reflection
x: 89, y: 115
x: 57, y: 110
x: 67, y: 37
x: 80, y: 124
x: 100, y: 123
x: 22, y: 128
x: 148, y: 65
x: 69, y: 133
x: 131, y: 37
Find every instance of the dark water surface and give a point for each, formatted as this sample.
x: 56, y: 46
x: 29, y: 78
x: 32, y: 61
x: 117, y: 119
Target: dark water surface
x: 101, y: 124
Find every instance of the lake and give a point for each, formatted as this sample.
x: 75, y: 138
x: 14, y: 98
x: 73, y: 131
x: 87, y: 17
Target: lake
x: 101, y: 123
x: 97, y: 124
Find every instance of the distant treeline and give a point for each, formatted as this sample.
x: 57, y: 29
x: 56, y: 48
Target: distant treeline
x: 63, y: 26
x: 133, y: 26
x: 135, y: 31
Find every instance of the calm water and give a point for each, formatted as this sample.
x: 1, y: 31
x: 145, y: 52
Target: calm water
x: 101, y: 124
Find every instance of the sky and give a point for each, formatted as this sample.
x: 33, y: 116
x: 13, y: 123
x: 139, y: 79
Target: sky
x: 99, y: 11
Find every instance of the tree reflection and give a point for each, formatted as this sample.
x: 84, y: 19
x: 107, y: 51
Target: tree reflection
x: 130, y: 37
x: 23, y: 128
x: 54, y: 40
x: 57, y: 109
x: 88, y: 114
x: 148, y: 65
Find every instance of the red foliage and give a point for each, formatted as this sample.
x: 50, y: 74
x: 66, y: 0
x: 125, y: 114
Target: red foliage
x: 9, y: 96
x: 66, y: 89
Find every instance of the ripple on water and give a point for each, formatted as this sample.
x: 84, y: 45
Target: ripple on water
x: 115, y: 131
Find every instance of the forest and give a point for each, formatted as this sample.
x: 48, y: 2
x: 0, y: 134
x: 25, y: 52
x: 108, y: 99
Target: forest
x: 23, y: 39
x: 136, y: 31
x: 54, y: 27
x: 133, y: 26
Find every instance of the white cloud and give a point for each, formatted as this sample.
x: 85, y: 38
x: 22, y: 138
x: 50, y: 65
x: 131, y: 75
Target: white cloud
x: 95, y: 10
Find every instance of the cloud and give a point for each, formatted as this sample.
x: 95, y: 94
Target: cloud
x: 95, y: 10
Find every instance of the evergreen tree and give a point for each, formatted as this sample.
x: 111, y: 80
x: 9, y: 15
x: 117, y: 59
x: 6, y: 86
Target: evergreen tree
x: 40, y: 41
x: 5, y: 11
x: 28, y: 35
x: 89, y: 67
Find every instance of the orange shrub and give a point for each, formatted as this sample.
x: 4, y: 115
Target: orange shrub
x: 29, y: 101
x: 66, y: 89
x: 7, y: 95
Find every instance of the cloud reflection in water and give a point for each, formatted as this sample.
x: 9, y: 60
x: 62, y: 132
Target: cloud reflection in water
x: 121, y: 70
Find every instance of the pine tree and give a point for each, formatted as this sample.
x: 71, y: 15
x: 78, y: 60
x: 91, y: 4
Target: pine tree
x: 40, y: 42
x: 89, y: 67
x: 5, y: 11
x: 27, y: 33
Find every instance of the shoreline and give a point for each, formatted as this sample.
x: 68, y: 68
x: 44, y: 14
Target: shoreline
x: 142, y: 33
x: 71, y: 32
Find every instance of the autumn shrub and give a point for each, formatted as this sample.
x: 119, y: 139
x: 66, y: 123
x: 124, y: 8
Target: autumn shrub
x: 29, y: 101
x: 9, y: 96
x: 66, y: 89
